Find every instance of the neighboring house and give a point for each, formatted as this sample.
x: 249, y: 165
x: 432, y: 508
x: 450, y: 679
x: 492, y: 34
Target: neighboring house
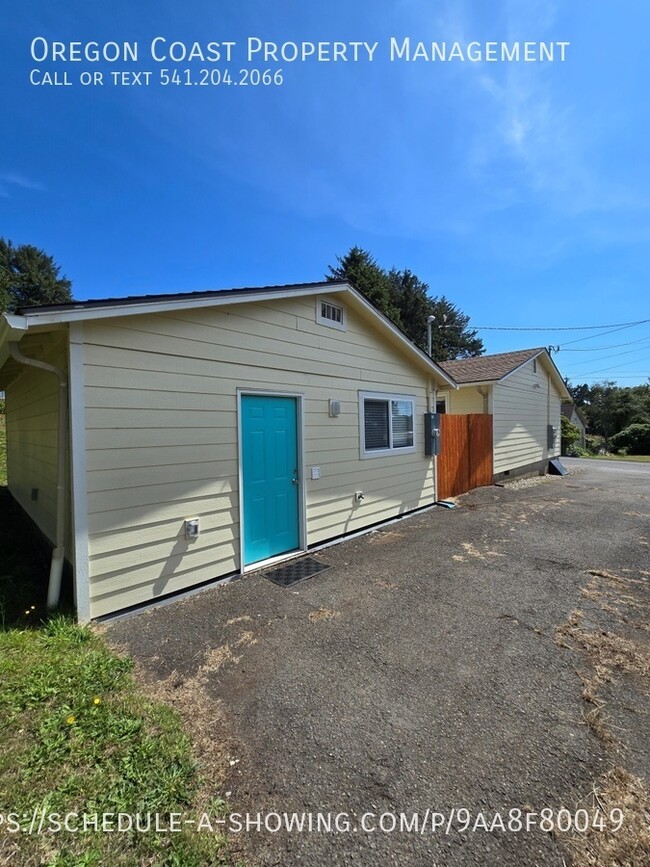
x: 524, y: 392
x: 210, y: 433
x: 575, y: 416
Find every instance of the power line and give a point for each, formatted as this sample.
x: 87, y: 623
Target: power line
x: 625, y: 364
x: 555, y: 327
x: 606, y: 357
x: 610, y: 346
x: 591, y: 336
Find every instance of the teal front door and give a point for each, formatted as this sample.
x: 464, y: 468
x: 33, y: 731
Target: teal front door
x: 270, y: 483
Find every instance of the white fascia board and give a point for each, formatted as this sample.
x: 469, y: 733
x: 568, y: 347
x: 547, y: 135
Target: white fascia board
x: 557, y: 377
x: 555, y: 373
x: 111, y: 311
x: 523, y: 363
x: 478, y: 383
x: 12, y: 329
x: 421, y: 356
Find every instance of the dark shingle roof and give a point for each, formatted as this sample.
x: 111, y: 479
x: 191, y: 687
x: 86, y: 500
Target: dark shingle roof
x: 567, y: 410
x: 487, y: 368
x: 170, y: 296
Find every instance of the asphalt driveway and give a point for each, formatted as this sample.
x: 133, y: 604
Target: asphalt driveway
x: 423, y: 670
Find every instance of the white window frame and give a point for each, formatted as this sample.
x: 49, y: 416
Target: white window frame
x: 392, y: 451
x: 329, y: 323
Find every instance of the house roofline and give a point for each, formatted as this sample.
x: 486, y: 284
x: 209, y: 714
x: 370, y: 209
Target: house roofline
x: 84, y: 311
x: 132, y: 305
x: 12, y: 329
x: 521, y: 364
x: 542, y: 351
x: 555, y: 373
x: 476, y: 383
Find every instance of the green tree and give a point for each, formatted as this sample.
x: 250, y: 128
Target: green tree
x: 359, y: 268
x: 635, y: 439
x: 405, y: 299
x: 579, y: 393
x: 28, y: 276
x: 570, y: 434
x: 451, y: 336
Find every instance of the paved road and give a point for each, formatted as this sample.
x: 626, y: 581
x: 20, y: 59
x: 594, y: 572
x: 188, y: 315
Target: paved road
x: 617, y: 469
x: 419, y: 672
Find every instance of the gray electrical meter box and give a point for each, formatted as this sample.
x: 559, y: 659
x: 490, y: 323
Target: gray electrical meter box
x: 431, y: 433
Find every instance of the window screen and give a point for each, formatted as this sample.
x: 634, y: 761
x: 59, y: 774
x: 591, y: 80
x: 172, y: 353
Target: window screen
x: 376, y: 424
x: 387, y: 423
x: 402, y: 411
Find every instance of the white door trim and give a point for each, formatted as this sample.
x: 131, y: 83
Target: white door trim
x: 302, y: 496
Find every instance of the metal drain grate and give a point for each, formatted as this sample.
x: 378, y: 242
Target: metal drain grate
x: 297, y: 571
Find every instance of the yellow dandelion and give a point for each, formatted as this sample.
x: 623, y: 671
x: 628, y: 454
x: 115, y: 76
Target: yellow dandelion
x: 71, y: 719
x: 97, y: 700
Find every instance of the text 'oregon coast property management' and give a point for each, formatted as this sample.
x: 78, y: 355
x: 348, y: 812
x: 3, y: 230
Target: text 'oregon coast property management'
x: 179, y: 62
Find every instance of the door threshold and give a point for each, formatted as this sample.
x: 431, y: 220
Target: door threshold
x: 271, y: 561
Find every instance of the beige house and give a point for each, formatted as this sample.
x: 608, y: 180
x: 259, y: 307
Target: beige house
x: 524, y: 392
x: 207, y: 434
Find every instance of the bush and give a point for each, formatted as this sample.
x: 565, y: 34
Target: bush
x: 594, y: 443
x: 576, y: 451
x: 635, y: 439
x: 570, y: 434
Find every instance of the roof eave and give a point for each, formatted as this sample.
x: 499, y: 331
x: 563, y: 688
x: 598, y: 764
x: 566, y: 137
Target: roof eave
x: 12, y: 329
x: 176, y: 302
x: 421, y: 356
x: 477, y: 382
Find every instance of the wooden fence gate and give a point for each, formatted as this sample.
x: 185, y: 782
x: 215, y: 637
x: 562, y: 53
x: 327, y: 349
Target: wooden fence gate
x: 465, y: 459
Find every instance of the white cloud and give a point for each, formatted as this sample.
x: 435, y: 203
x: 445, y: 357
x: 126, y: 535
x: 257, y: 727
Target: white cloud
x: 9, y: 180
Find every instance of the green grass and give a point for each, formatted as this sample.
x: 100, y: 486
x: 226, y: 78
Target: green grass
x: 78, y: 736
x: 77, y: 733
x: 639, y: 458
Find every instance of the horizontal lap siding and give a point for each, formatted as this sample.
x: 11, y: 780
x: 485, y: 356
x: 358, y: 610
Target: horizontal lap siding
x: 161, y: 417
x: 32, y: 429
x: 465, y: 400
x: 521, y: 415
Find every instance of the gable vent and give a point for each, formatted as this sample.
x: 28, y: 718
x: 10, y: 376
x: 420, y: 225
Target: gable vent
x: 330, y: 314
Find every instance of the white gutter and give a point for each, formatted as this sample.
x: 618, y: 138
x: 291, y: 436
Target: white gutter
x: 188, y: 302
x: 56, y: 567
x: 12, y: 328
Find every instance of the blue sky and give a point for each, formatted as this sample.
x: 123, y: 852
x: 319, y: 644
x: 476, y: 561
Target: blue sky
x: 520, y: 191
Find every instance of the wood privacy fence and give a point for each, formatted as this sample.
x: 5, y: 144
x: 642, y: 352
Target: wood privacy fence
x: 465, y: 459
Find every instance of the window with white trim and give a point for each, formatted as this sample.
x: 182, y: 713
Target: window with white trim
x: 386, y: 424
x: 329, y: 313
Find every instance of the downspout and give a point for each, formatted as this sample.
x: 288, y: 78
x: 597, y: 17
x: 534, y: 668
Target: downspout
x: 56, y: 566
